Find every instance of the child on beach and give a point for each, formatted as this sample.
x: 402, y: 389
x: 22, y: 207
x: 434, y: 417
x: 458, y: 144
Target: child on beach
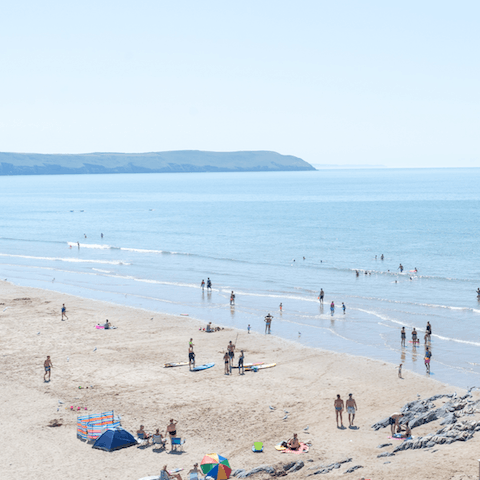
x: 280, y: 306
x: 248, y: 328
x: 400, y: 371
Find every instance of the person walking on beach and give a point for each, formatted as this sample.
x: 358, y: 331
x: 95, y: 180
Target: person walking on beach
x: 414, y: 336
x: 332, y: 308
x: 428, y: 356
x: 351, y: 405
x: 232, y: 298
x: 338, y: 404
x: 343, y: 308
x: 48, y: 368
x: 241, y: 369
x: 191, y: 356
x: 203, y: 285
x: 226, y: 359
x: 209, y: 284
x: 403, y: 336
x: 321, y: 295
x: 64, y: 312
x: 248, y: 328
x: 268, y: 323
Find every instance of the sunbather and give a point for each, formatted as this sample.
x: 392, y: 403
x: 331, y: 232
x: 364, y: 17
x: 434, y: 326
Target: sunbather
x: 293, y: 443
x: 157, y: 438
x: 194, y: 473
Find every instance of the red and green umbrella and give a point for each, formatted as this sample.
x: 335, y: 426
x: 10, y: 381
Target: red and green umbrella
x: 216, y: 466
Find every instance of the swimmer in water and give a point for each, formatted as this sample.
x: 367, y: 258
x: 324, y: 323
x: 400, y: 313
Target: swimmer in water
x: 382, y: 257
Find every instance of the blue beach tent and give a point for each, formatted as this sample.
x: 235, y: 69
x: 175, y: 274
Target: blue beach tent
x: 113, y: 439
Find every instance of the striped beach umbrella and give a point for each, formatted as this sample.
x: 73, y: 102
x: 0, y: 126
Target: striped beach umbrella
x: 216, y: 466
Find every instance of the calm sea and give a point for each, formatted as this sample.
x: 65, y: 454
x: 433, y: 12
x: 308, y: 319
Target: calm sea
x: 249, y: 232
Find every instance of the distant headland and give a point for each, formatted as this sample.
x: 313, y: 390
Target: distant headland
x: 153, y: 162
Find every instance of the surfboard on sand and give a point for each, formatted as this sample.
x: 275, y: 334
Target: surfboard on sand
x: 203, y: 367
x: 246, y: 365
x: 260, y: 367
x: 180, y: 364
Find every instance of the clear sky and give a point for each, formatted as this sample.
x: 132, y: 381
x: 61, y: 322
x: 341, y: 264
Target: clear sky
x: 333, y: 82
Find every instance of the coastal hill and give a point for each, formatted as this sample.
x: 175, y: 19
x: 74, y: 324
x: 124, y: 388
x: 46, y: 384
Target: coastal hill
x: 153, y: 162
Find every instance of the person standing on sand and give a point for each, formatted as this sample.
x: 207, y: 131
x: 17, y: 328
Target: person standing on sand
x: 231, y: 352
x: 394, y: 421
x: 321, y: 295
x: 241, y: 369
x: 268, y: 323
x: 338, y: 404
x: 428, y: 356
x: 64, y: 310
x: 248, y: 328
x: 351, y: 405
x: 172, y: 429
x: 226, y: 359
x: 403, y: 336
x: 48, y: 368
x: 191, y: 356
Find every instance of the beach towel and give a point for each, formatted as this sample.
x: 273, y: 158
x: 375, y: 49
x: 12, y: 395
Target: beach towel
x: 400, y: 438
x: 303, y: 449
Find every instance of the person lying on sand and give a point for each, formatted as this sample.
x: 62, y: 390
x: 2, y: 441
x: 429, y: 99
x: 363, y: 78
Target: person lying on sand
x: 293, y: 443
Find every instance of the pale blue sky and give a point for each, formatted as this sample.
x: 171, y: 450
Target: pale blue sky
x: 345, y: 82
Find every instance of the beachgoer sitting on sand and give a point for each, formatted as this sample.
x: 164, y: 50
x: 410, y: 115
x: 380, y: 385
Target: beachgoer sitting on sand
x: 164, y: 475
x: 194, y: 473
x: 107, y: 325
x: 141, y: 433
x: 157, y: 437
x: 394, y: 421
x: 293, y: 443
x: 209, y: 327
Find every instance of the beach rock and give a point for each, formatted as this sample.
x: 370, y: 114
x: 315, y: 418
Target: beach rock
x: 430, y: 444
x: 288, y: 466
x: 386, y: 454
x: 381, y: 424
x: 448, y: 419
x: 261, y: 468
x: 383, y: 445
x: 239, y: 473
x: 351, y: 470
x: 299, y: 465
x: 424, y: 418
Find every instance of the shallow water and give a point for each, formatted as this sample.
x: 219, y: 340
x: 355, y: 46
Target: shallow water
x: 164, y: 233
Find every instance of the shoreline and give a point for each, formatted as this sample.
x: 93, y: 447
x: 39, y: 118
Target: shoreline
x: 215, y: 412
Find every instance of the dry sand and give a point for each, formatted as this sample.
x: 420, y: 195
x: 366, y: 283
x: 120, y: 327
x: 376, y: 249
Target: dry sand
x: 216, y: 413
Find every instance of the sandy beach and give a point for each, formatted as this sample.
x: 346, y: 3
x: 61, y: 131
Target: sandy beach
x: 215, y: 412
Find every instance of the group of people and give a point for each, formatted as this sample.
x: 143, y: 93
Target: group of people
x: 209, y: 284
x: 157, y: 437
x: 321, y: 297
x: 352, y: 408
x: 229, y: 357
x: 415, y: 341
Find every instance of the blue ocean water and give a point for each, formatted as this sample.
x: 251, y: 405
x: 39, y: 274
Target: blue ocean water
x: 249, y: 232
